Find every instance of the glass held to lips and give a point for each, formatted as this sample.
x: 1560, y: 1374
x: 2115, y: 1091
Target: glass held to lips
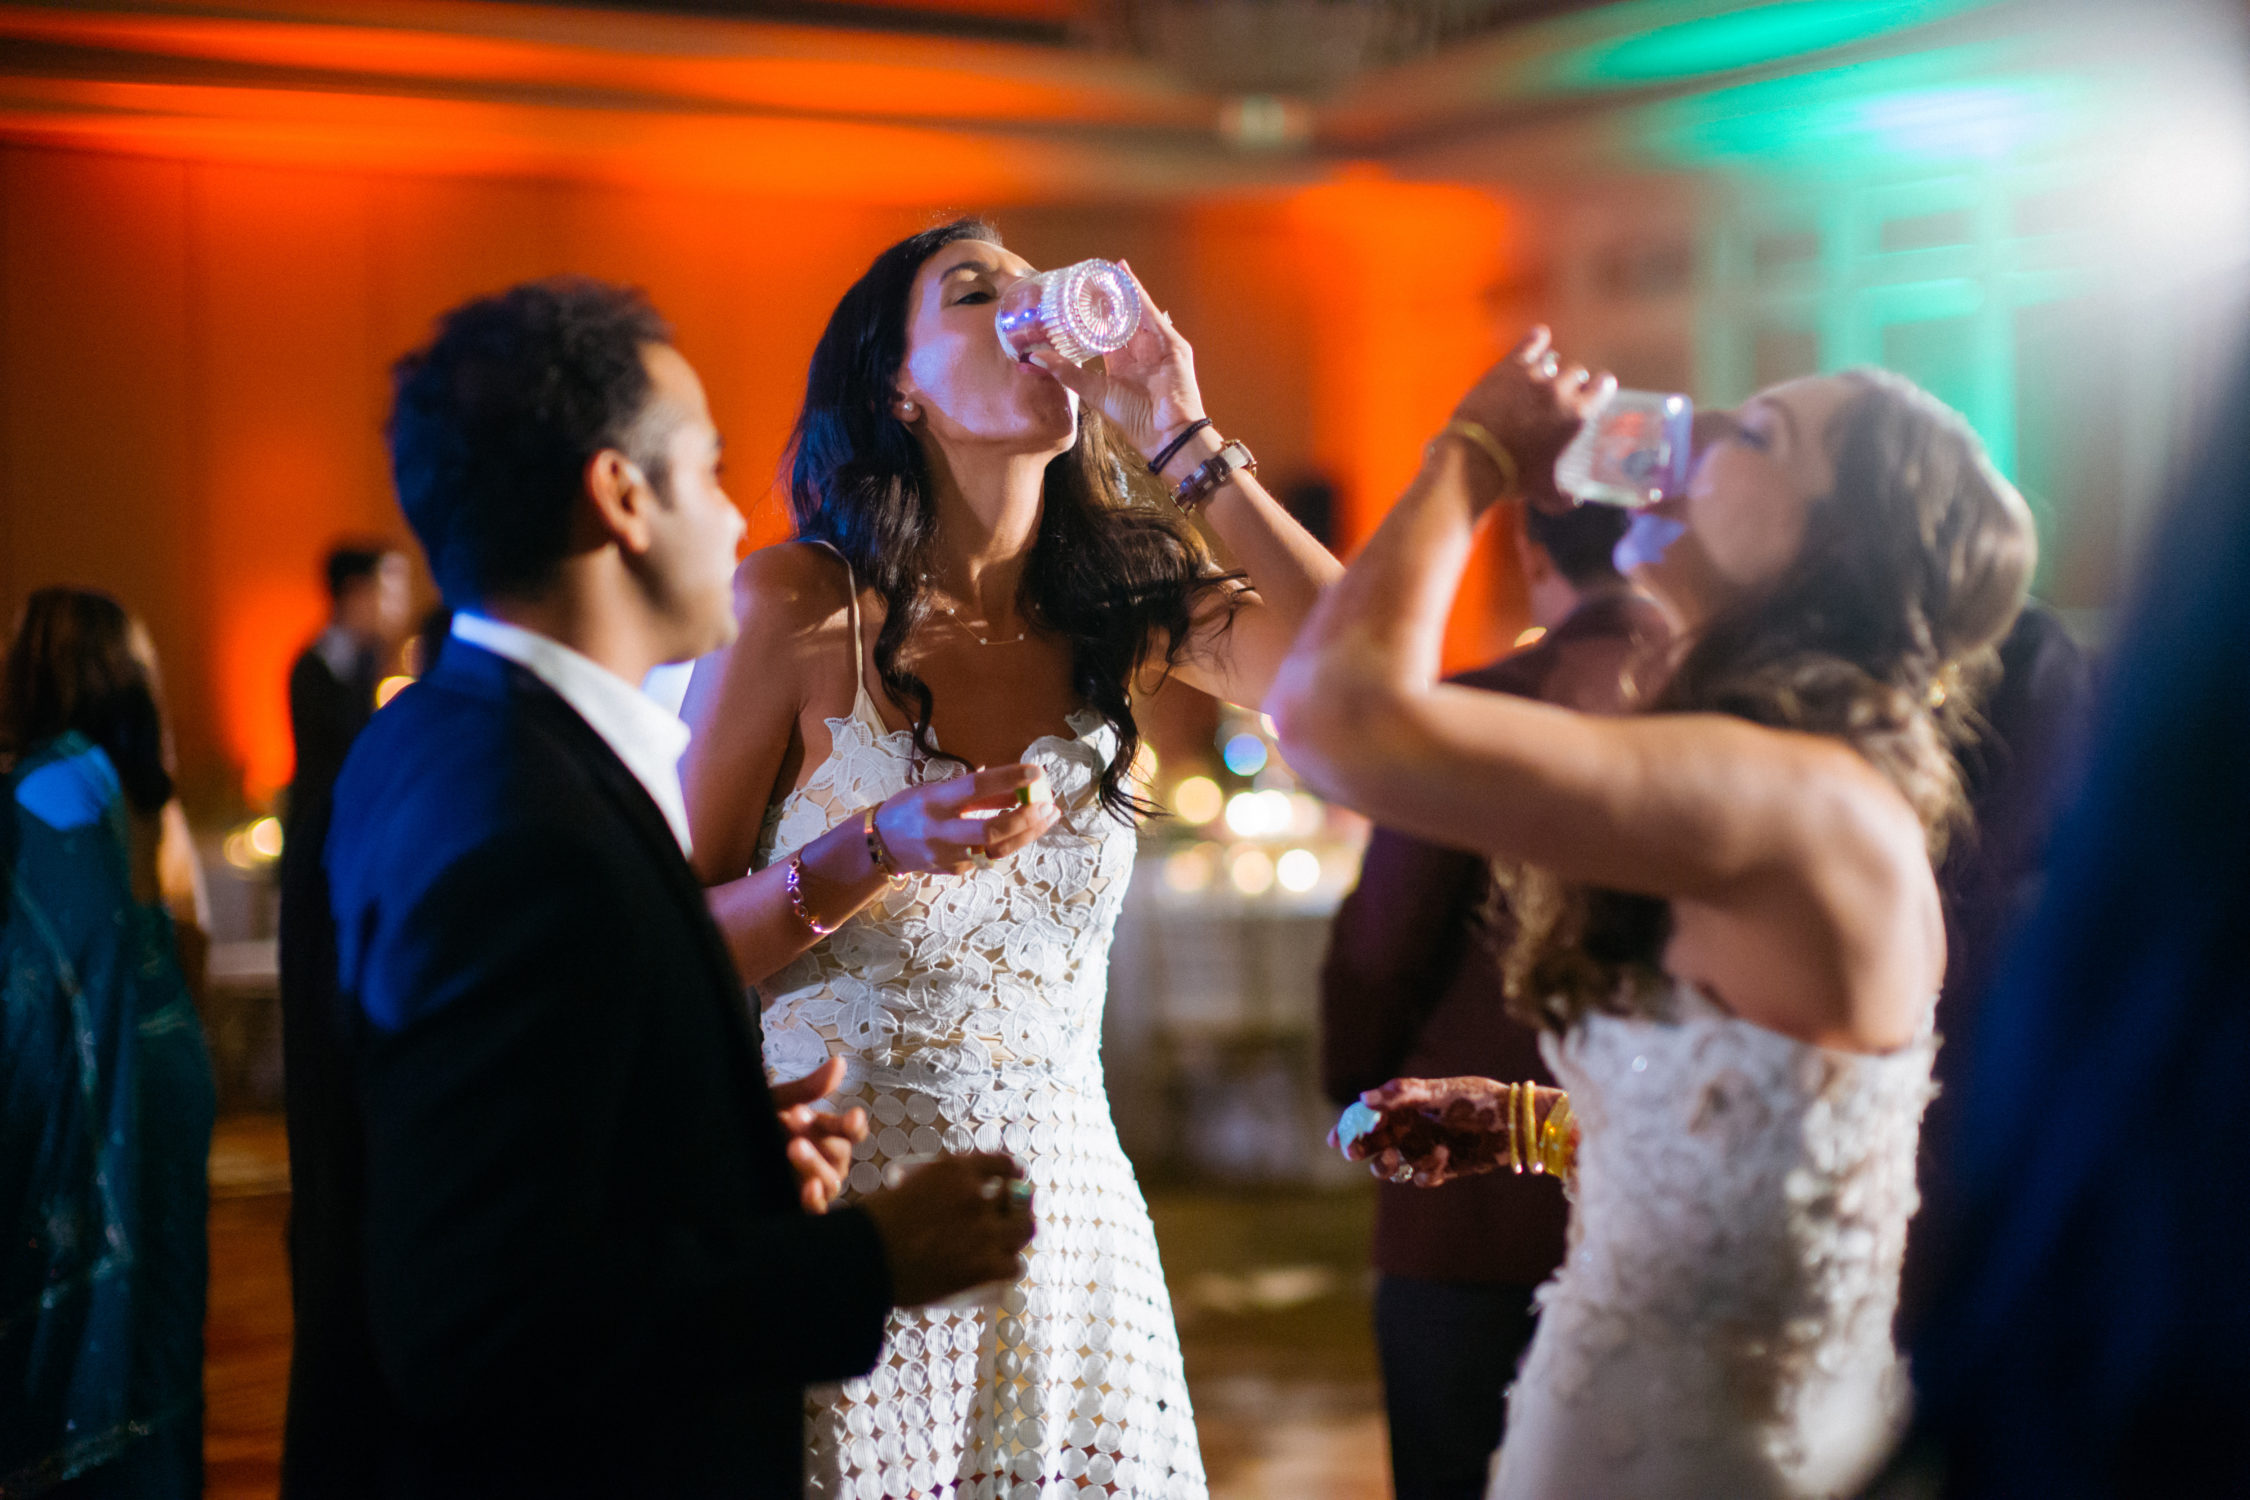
x: 1081, y: 311
x: 1633, y: 450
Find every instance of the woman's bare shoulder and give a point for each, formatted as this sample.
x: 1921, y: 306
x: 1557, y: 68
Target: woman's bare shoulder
x: 800, y: 584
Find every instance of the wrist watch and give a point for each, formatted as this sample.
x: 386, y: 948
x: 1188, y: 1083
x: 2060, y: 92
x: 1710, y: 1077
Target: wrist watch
x: 1215, y: 471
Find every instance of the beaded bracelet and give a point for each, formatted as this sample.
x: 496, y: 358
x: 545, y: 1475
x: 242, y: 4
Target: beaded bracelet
x: 796, y: 884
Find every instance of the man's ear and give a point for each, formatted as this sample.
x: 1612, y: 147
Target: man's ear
x: 622, y: 500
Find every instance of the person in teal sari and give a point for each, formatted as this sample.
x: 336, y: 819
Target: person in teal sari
x: 106, y: 1095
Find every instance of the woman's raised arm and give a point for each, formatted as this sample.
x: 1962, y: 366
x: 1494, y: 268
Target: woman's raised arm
x: 1148, y: 388
x: 1681, y: 806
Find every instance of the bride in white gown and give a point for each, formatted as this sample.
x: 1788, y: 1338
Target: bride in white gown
x: 993, y: 572
x: 1724, y: 910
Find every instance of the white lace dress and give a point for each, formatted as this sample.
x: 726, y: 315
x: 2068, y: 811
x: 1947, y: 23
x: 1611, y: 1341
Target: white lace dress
x: 1722, y: 1325
x: 968, y: 1012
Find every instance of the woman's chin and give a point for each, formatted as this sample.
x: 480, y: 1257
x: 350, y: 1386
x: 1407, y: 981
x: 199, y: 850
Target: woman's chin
x: 1052, y: 432
x: 1668, y: 583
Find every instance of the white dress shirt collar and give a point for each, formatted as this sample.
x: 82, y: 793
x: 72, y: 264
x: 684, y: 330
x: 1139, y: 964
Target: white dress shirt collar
x: 648, y: 739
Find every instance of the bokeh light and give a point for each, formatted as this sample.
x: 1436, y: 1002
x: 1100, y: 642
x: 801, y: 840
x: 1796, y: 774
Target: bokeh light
x: 254, y: 845
x: 1257, y: 815
x: 1246, y: 755
x: 1198, y: 799
x: 1251, y: 870
x: 1192, y: 869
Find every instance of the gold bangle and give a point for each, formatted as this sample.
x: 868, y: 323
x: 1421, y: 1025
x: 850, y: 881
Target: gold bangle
x: 796, y: 885
x: 1558, y: 1140
x: 878, y: 852
x: 1479, y: 437
x: 1516, y: 1142
x: 1529, y: 1116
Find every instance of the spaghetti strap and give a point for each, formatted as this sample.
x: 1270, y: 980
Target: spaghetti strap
x: 863, y: 705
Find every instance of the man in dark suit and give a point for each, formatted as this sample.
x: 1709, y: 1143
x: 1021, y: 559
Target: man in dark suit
x: 333, y: 681
x: 1412, y: 988
x: 551, y: 1236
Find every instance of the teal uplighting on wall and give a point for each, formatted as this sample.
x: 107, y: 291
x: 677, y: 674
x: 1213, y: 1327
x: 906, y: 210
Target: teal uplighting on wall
x: 1944, y: 107
x: 1900, y: 175
x: 2037, y: 210
x: 1750, y: 36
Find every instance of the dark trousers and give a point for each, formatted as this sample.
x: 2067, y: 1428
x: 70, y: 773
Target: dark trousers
x: 1449, y: 1352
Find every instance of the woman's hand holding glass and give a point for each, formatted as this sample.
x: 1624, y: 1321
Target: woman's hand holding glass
x: 955, y: 826
x: 1532, y: 405
x: 1147, y: 388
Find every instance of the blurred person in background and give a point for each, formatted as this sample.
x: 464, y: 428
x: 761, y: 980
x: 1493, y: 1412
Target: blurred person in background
x: 2031, y: 730
x: 332, y: 684
x: 106, y: 1094
x: 1412, y: 987
x: 2089, y: 1334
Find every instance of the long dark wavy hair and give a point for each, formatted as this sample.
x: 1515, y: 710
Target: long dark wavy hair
x: 1879, y: 635
x: 1113, y: 570
x: 75, y: 663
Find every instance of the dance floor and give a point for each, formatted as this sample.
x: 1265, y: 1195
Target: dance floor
x: 1271, y: 1290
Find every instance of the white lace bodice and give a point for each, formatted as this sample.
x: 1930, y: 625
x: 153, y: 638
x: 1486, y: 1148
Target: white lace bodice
x: 955, y: 984
x: 1722, y: 1324
x: 968, y: 1010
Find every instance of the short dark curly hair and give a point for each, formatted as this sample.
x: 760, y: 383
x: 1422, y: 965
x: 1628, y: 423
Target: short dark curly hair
x: 494, y: 421
x: 1582, y: 540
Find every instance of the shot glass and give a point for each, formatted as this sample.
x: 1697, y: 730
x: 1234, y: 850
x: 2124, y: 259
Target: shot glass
x: 1081, y: 311
x: 1633, y: 450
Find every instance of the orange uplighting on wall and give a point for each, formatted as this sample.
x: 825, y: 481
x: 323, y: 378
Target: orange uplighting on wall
x: 261, y: 629
x: 291, y: 235
x: 1404, y: 276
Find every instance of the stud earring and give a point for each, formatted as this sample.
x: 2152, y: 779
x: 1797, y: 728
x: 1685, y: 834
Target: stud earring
x: 908, y: 410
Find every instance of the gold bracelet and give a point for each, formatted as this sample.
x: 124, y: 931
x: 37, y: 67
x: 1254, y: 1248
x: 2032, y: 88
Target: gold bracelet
x: 1479, y: 437
x: 1558, y: 1140
x: 878, y: 852
x: 1516, y: 1142
x: 1531, y: 1127
x: 796, y: 884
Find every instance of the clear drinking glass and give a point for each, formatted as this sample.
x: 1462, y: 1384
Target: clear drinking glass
x: 1081, y: 311
x: 1633, y: 450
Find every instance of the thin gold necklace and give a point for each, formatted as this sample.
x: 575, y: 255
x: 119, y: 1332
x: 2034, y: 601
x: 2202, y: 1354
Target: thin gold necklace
x: 971, y: 631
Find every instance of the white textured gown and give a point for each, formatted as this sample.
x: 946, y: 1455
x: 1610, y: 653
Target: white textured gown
x: 968, y: 1013
x: 1722, y: 1324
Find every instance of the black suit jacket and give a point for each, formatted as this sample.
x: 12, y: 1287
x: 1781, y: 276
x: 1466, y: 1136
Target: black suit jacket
x: 326, y: 713
x: 545, y: 1236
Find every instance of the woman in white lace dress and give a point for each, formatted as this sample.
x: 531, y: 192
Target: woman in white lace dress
x: 1724, y: 909
x: 988, y: 571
